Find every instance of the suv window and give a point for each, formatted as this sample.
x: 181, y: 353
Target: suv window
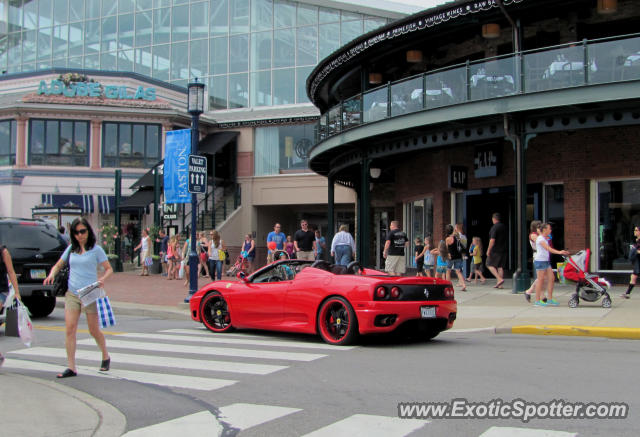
x: 18, y: 237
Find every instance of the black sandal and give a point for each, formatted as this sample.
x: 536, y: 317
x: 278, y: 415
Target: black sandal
x: 105, y: 365
x: 66, y: 374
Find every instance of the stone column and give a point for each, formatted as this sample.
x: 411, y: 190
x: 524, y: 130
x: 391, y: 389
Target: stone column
x: 21, y: 142
x: 95, y: 150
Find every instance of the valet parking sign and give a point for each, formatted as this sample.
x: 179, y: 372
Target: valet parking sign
x: 197, y: 174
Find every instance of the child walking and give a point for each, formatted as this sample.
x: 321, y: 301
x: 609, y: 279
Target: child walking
x: 476, y: 257
x: 419, y: 256
x: 428, y: 257
x: 442, y: 261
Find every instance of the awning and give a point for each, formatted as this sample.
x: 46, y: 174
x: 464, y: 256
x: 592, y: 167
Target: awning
x: 147, y: 179
x: 107, y: 204
x: 214, y: 142
x: 83, y: 201
x: 139, y: 200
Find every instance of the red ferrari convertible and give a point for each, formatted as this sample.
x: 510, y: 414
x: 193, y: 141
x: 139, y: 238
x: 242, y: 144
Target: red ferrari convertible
x: 337, y: 302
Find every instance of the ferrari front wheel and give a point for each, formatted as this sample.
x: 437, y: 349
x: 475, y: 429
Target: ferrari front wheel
x: 337, y: 322
x: 215, y: 314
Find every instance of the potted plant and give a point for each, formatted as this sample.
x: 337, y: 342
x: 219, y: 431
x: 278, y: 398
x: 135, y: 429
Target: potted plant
x: 156, y: 267
x: 109, y: 233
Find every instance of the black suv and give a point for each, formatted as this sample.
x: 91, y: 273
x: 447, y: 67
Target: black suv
x: 35, y: 246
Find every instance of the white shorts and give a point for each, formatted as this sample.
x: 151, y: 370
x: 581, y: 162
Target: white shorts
x: 395, y: 264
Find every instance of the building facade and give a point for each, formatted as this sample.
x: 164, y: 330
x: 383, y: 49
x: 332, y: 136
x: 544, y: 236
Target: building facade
x: 528, y: 108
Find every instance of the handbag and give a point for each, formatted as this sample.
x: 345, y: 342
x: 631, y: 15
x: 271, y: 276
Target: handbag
x: 221, y: 255
x: 25, y: 328
x: 61, y: 281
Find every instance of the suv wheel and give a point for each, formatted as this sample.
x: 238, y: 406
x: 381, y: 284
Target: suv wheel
x: 40, y: 306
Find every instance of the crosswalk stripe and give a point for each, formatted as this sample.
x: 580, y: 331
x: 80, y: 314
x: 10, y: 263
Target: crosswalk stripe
x: 504, y: 431
x: 159, y: 361
x: 200, y: 350
x: 204, y: 331
x: 243, y: 416
x: 367, y: 425
x: 213, y: 338
x: 202, y: 423
x: 163, y: 379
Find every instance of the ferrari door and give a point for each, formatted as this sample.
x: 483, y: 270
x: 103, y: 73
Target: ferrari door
x: 260, y: 304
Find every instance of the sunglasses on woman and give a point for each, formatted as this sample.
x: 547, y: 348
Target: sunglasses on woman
x: 80, y: 231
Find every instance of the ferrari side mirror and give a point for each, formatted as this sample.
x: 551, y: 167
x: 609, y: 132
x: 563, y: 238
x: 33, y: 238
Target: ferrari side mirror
x: 242, y: 276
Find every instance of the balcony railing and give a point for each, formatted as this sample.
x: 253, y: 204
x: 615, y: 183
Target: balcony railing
x: 588, y: 62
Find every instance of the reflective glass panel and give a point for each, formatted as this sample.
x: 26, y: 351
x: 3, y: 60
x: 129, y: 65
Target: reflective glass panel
x: 52, y: 136
x: 218, y: 92
x: 350, y: 16
x: 30, y: 15
x: 109, y: 7
x: 143, y: 29
x: 284, y: 14
x: 307, y: 48
x: 125, y: 60
x: 284, y: 86
x: 161, y: 62
x: 554, y: 69
x: 161, y: 25
x: 199, y: 60
x: 110, y: 139
x: 76, y: 10
x: 92, y: 37
x: 239, y: 48
x: 109, y: 61
x: 179, y: 61
x: 92, y: 61
x: 59, y: 41
x: 218, y: 55
x: 199, y: 20
x: 373, y: 23
x: 219, y: 17
x: 238, y: 91
x: 328, y: 39
x: 406, y: 96
x: 60, y: 11
x: 302, y: 73
x: 352, y: 115
x: 125, y: 31
x: 142, y: 5
x: 180, y: 23
x: 307, y: 15
x: 125, y: 6
x: 109, y: 33
x: 14, y: 50
x: 44, y: 44
x: 124, y: 140
x: 142, y: 61
x: 92, y: 8
x: 76, y: 38
x: 239, y: 16
x: 261, y: 15
x: 284, y: 48
x: 494, y: 78
x: 138, y: 140
x: 261, y: 88
x: 153, y: 141
x: 329, y: 15
x: 260, y: 50
x: 446, y: 88
x: 350, y: 30
x: 616, y: 60
x: 15, y: 16
x: 29, y: 46
x: 36, y: 137
x: 374, y: 105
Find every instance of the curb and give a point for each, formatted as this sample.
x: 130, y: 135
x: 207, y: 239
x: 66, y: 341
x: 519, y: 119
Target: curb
x: 574, y: 331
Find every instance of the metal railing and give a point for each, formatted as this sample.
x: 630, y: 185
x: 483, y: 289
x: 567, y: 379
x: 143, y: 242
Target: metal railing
x: 588, y: 62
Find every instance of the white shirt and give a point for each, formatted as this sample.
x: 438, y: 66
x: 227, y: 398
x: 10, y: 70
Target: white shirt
x: 541, y: 254
x: 343, y: 237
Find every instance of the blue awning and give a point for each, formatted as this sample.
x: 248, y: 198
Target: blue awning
x: 107, y: 204
x: 83, y: 201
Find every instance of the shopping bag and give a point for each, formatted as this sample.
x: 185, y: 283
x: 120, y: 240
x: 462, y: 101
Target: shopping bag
x: 181, y: 270
x: 105, y: 312
x: 11, y: 322
x: 25, y: 328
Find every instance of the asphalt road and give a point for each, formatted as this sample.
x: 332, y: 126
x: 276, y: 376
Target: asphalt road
x: 273, y: 384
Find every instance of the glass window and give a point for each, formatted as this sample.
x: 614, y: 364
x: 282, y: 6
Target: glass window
x: 260, y: 51
x: 179, y: 61
x: 161, y: 62
x: 125, y: 31
x: 56, y: 142
x: 3, y: 54
x: 301, y: 83
x: 44, y: 44
x: 238, y: 91
x: 218, y: 56
x: 161, y: 25
x: 284, y: 42
x: 59, y: 41
x: 199, y: 58
x: 76, y: 10
x: 350, y: 16
x: 373, y: 23
x: 60, y: 11
x: 143, y: 29
x: 307, y: 49
x: 219, y: 17
x: 261, y: 15
x: 92, y: 61
x: 328, y: 39
x: 109, y: 61
x: 284, y: 92
x: 329, y: 15
x: 239, y: 16
x: 282, y: 149
x: 109, y: 33
x: 307, y: 15
x: 76, y: 39
x: 261, y: 88
x: 142, y: 61
x: 180, y: 23
x: 350, y: 30
x: 125, y: 6
x: 618, y: 213
x: 15, y: 16
x: 30, y: 15
x: 74, y: 62
x: 284, y: 14
x: 218, y: 92
x: 130, y: 144
x: 199, y: 20
x: 125, y: 60
x: 92, y: 8
x: 239, y: 47
x: 92, y: 37
x: 7, y: 142
x: 29, y: 46
x: 142, y: 5
x: 14, y: 50
x: 109, y: 7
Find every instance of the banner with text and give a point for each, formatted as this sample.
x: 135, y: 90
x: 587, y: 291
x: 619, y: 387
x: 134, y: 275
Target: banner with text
x: 176, y: 166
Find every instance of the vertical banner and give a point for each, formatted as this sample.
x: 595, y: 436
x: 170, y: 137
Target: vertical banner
x: 176, y: 166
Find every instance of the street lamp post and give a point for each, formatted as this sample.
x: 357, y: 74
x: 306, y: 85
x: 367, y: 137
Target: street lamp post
x: 195, y: 107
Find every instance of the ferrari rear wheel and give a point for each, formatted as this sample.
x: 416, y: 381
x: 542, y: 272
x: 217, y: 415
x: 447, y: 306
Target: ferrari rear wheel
x: 337, y: 322
x: 215, y: 314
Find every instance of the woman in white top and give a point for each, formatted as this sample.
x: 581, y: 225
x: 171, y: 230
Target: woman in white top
x: 343, y: 248
x: 543, y: 266
x: 145, y: 252
x: 215, y: 263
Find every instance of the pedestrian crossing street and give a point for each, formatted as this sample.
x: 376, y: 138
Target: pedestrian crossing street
x: 138, y: 357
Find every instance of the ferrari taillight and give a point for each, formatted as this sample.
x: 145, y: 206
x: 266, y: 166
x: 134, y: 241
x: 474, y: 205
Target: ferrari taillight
x: 395, y: 292
x: 448, y: 292
x: 381, y: 292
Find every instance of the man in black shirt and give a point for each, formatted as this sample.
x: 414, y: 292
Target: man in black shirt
x: 497, y: 250
x: 304, y: 242
x: 394, y: 250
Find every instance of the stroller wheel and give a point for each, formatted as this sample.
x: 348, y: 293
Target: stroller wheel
x: 606, y: 302
x: 573, y: 302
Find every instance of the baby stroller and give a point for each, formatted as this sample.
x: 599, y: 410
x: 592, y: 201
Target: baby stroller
x: 240, y: 265
x: 588, y: 287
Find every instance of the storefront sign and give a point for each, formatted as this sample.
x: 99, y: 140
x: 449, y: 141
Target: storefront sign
x: 487, y: 161
x: 176, y: 166
x: 458, y: 176
x: 169, y: 211
x: 95, y: 89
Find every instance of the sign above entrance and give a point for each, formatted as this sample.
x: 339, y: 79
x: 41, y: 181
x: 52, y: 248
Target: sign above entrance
x: 458, y: 176
x: 169, y: 211
x: 487, y: 161
x: 95, y: 89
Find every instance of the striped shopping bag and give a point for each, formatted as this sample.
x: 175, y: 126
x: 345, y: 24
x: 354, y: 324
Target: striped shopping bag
x: 105, y: 313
